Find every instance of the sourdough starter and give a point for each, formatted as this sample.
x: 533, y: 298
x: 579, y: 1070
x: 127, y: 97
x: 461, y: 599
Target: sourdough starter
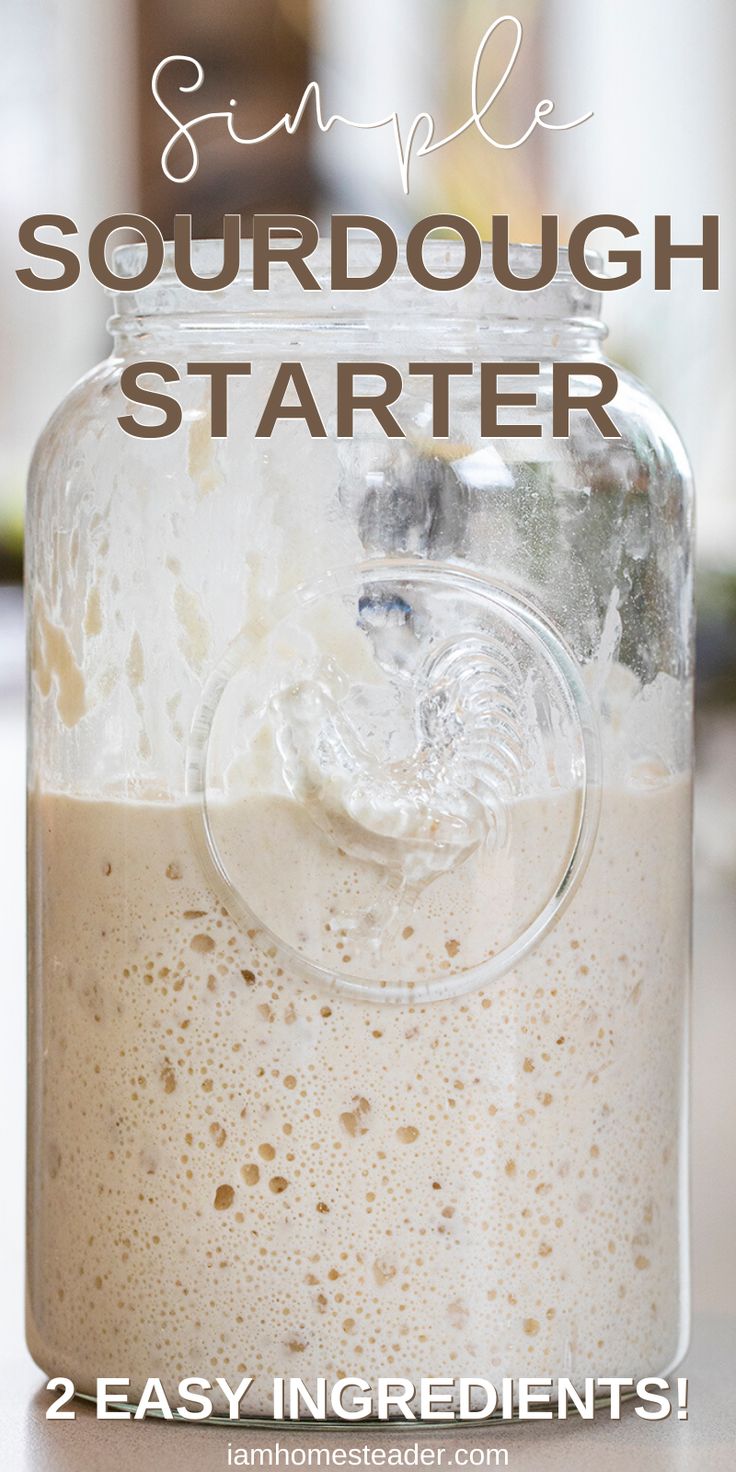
x: 246, y: 1174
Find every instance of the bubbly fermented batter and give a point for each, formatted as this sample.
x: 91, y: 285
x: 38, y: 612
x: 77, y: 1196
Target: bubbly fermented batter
x: 245, y: 1174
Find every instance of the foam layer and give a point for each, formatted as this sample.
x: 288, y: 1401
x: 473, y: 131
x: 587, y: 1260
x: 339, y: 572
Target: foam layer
x: 233, y: 1172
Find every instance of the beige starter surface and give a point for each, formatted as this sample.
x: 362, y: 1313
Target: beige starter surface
x: 236, y: 1172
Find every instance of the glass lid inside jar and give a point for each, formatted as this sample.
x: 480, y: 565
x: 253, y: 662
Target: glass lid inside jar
x: 396, y: 780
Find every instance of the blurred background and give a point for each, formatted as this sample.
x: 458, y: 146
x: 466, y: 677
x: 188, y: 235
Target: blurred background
x: 82, y: 136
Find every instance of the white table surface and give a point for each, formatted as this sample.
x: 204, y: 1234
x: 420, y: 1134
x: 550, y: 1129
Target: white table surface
x: 706, y: 1441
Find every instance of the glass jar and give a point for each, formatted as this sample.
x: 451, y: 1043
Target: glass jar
x: 359, y: 860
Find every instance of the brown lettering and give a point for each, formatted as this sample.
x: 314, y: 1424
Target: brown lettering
x: 300, y: 238
x: 183, y: 254
x: 548, y: 263
x: 415, y: 252
x: 130, y: 385
x: 340, y: 279
x: 631, y: 259
x: 48, y: 251
x: 708, y: 251
x: 594, y: 404
x: 491, y: 399
x: 440, y: 374
x: 218, y: 374
x: 348, y: 401
x: 291, y: 375
x: 152, y: 239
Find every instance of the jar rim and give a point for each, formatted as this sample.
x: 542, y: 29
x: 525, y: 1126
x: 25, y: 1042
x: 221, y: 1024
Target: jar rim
x: 442, y: 256
x: 481, y: 307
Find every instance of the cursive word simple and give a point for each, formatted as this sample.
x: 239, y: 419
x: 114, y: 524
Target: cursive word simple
x: 418, y: 141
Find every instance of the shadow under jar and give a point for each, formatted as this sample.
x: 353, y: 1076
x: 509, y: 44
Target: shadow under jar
x: 359, y: 796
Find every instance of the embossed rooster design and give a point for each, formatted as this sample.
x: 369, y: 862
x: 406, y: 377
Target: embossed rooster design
x: 422, y: 814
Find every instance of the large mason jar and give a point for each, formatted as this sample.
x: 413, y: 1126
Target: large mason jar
x: 359, y: 819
